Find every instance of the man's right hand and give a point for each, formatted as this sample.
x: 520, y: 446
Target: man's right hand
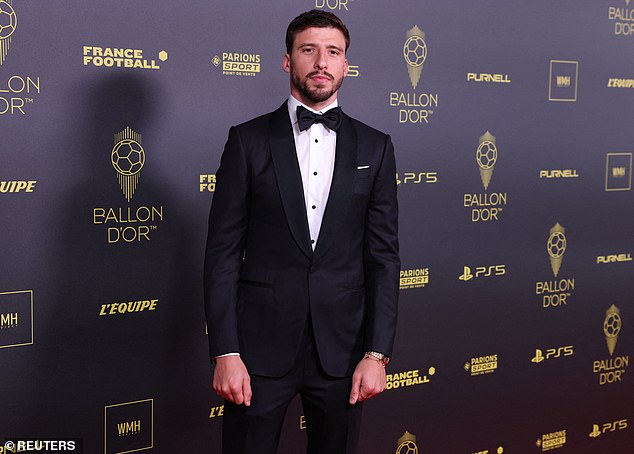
x: 232, y: 381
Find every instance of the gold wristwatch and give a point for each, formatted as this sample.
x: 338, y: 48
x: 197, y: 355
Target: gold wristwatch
x: 382, y: 359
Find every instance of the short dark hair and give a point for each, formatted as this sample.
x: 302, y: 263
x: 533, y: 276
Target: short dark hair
x: 314, y: 18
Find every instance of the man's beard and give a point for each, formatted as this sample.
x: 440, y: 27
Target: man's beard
x: 315, y: 94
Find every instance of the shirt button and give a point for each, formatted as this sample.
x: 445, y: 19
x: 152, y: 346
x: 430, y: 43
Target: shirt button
x: 316, y: 141
x: 313, y: 207
x: 315, y: 173
x: 312, y: 241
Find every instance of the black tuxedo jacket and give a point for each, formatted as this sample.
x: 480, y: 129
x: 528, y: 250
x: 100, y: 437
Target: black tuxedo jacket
x: 262, y: 277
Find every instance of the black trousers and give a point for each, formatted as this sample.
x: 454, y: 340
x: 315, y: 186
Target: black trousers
x: 332, y: 424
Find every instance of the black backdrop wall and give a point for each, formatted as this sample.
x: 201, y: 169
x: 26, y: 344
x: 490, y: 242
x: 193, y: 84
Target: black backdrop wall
x: 512, y: 123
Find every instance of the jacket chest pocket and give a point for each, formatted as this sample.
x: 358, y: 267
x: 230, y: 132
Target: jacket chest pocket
x: 363, y: 181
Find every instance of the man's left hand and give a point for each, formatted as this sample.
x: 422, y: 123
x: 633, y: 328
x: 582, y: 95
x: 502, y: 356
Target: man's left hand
x: 368, y: 380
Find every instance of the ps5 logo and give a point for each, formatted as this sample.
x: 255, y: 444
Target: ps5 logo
x: 482, y: 271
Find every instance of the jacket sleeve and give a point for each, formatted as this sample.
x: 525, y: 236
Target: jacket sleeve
x: 381, y: 257
x: 228, y: 220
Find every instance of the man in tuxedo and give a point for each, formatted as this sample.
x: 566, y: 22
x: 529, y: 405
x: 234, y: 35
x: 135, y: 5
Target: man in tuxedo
x: 302, y: 264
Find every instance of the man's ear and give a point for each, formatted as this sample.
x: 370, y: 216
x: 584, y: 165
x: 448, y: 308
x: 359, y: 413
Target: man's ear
x: 345, y: 67
x: 286, y: 63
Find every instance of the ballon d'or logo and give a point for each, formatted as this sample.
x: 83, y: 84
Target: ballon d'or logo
x: 128, y: 158
x: 407, y: 444
x: 415, y: 54
x: 486, y: 157
x: 556, y: 247
x: 612, y: 327
x: 8, y: 24
x: 8, y: 19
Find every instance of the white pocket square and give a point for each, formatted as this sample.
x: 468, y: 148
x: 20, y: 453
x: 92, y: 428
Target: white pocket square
x: 362, y: 167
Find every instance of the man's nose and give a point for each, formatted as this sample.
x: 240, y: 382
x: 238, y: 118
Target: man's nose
x: 320, y: 60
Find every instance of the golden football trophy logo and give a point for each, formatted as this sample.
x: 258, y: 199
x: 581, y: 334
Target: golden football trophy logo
x: 128, y: 157
x: 556, y: 247
x: 8, y: 24
x: 415, y: 53
x: 407, y: 444
x: 486, y: 157
x: 612, y: 327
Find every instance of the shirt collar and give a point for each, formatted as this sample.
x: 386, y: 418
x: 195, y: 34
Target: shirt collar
x: 293, y: 103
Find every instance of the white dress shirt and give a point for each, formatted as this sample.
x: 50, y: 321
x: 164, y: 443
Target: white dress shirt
x: 315, y: 148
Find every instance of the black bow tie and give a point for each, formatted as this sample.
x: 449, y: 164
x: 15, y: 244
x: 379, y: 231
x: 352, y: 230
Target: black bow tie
x: 331, y: 119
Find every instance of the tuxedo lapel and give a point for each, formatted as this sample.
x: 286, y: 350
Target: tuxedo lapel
x: 289, y: 178
x: 341, y: 188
